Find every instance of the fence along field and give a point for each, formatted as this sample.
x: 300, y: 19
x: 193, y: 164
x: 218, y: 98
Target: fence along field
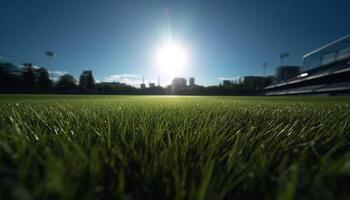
x: 137, y: 147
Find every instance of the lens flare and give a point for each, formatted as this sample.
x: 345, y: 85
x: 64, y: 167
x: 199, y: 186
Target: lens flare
x: 172, y: 58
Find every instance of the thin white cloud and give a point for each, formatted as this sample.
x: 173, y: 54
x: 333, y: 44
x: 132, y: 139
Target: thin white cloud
x: 57, y: 74
x: 233, y: 79
x: 228, y: 78
x: 129, y: 79
x: 34, y: 66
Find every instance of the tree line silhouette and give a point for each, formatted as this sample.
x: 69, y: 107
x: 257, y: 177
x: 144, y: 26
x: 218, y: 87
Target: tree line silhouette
x: 32, y: 79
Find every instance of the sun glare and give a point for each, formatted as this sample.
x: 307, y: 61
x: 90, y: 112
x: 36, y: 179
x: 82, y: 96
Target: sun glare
x: 171, y: 58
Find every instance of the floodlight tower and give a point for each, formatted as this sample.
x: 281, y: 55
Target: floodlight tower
x: 283, y: 56
x: 158, y: 80
x: 50, y: 55
x: 264, y: 68
x: 264, y: 77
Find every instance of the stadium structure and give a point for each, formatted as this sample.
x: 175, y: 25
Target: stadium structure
x: 325, y: 71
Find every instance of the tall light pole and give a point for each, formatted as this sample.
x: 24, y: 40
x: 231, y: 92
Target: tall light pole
x: 264, y: 68
x: 50, y: 55
x: 158, y: 80
x: 283, y: 56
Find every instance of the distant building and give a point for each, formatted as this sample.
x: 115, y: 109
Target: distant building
x: 178, y: 83
x: 191, y: 82
x: 143, y: 86
x: 152, y: 85
x: 285, y: 73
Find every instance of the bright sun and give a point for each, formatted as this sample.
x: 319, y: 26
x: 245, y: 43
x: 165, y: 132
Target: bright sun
x: 171, y: 58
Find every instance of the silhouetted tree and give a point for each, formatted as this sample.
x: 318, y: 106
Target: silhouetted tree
x: 5, y: 72
x: 28, y: 76
x: 115, y: 88
x: 9, y: 76
x: 66, y: 83
x: 44, y: 81
x: 87, y: 81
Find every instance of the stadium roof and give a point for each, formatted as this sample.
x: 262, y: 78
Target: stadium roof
x: 298, y: 80
x: 332, y: 47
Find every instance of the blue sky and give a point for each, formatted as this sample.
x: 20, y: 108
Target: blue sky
x: 118, y: 39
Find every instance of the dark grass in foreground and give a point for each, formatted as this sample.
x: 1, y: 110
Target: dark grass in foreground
x: 133, y: 147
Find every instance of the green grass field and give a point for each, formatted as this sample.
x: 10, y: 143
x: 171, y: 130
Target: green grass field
x: 164, y: 147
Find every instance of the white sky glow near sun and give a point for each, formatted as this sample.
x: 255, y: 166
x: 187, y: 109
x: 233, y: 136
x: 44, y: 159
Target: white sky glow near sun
x: 171, y: 58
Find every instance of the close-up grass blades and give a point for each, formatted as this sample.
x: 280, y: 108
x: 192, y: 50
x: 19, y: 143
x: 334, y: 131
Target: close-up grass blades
x: 174, y: 147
